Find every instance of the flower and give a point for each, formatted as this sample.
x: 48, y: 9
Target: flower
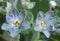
x: 44, y: 24
x: 15, y: 23
x: 27, y: 4
x: 53, y: 3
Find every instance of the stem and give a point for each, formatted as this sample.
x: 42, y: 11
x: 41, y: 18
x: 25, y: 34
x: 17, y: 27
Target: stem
x: 35, y: 36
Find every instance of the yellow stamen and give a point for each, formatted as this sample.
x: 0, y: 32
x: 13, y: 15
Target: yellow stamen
x: 43, y: 24
x: 16, y: 22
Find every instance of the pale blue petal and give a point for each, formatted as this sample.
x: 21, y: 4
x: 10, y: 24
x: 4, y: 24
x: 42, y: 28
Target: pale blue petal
x: 6, y: 26
x: 49, y: 28
x: 52, y: 21
x: 46, y: 33
x: 15, y: 12
x: 13, y: 32
x: 40, y: 15
x: 25, y: 25
x: 47, y: 16
x: 22, y: 16
x: 9, y: 19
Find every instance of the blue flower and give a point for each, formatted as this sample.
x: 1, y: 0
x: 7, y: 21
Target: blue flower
x: 15, y: 23
x: 44, y: 23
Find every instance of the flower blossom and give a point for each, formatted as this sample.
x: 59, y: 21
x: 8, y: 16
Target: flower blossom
x: 15, y: 23
x: 44, y: 23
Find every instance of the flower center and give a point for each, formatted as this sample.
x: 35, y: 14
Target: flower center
x: 16, y: 22
x: 43, y: 24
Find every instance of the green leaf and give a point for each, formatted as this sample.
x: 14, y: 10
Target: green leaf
x: 35, y: 36
x: 26, y: 32
x: 29, y: 17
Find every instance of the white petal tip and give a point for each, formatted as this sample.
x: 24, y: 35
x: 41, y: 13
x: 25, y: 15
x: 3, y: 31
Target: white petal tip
x: 53, y: 3
x: 46, y: 33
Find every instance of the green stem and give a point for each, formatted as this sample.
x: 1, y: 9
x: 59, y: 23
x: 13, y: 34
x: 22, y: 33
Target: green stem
x: 35, y: 36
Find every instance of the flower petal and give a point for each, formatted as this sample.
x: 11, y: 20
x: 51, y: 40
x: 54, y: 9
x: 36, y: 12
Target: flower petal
x: 40, y: 15
x: 47, y: 16
x: 30, y: 5
x: 52, y: 21
x: 37, y: 29
x: 25, y: 25
x: 46, y: 33
x: 15, y: 12
x: 22, y: 16
x: 9, y: 19
x: 49, y: 27
x: 6, y: 26
x: 14, y: 32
